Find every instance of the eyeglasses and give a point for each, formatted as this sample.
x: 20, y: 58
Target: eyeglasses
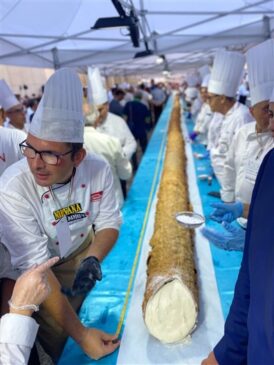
x: 47, y: 156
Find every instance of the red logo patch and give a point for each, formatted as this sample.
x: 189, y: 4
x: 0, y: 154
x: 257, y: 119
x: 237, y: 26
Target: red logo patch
x: 96, y: 196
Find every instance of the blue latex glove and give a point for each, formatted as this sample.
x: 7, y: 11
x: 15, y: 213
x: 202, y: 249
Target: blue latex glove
x: 231, y: 238
x: 86, y: 276
x: 226, y: 212
x: 193, y: 136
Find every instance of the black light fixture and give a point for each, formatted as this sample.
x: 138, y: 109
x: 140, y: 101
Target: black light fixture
x: 123, y: 20
x: 147, y: 52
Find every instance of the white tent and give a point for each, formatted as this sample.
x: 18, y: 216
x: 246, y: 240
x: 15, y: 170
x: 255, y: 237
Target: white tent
x: 57, y: 33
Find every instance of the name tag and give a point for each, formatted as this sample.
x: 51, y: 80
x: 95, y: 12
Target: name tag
x: 252, y: 169
x: 63, y: 236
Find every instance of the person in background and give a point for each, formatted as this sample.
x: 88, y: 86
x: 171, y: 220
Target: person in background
x: 138, y: 118
x: 106, y: 122
x: 50, y: 203
x: 14, y: 110
x: 115, y: 106
x: 18, y: 329
x: 247, y: 151
x: 205, y: 115
x: 158, y: 101
x: 110, y: 148
x: 224, y: 80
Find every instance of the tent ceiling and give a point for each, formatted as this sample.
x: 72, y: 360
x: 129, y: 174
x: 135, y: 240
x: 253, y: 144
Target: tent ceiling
x: 56, y: 33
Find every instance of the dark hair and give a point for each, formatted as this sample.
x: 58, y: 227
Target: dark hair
x: 75, y: 147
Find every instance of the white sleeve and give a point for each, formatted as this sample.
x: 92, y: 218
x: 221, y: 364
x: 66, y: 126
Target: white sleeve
x: 17, y: 336
x: 123, y: 165
x: 109, y: 214
x: 21, y: 233
x: 229, y: 174
x: 130, y: 145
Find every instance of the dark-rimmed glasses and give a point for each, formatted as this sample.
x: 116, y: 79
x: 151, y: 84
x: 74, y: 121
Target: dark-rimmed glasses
x: 48, y: 157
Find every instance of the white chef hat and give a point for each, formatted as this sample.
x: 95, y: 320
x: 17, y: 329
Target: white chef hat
x: 205, y: 80
x: 59, y: 115
x: 261, y: 71
x: 191, y: 93
x: 226, y: 73
x: 7, y: 98
x: 96, y: 89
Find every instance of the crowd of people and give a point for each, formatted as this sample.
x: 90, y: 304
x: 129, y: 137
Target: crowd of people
x: 64, y: 162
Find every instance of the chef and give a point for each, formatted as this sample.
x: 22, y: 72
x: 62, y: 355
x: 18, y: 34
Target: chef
x: 246, y: 153
x: 49, y: 203
x: 205, y: 115
x: 253, y: 140
x: 110, y: 148
x: 14, y: 110
x: 223, y: 84
x: 106, y: 122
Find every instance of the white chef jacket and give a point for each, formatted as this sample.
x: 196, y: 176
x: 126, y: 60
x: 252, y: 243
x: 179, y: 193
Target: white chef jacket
x: 9, y: 154
x: 17, y: 336
x: 237, y: 116
x: 244, y: 158
x: 116, y: 126
x: 196, y: 107
x: 202, y: 123
x: 30, y: 213
x: 9, y: 147
x: 110, y: 148
x: 214, y: 130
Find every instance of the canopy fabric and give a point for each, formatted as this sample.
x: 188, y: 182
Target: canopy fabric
x: 57, y: 33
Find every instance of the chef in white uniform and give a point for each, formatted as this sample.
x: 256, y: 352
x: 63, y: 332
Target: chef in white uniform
x: 9, y: 154
x: 223, y: 84
x: 14, y: 110
x: 205, y: 115
x: 253, y: 141
x: 49, y: 203
x: 106, y: 122
x: 110, y: 148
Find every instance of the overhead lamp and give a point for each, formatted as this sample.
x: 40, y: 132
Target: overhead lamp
x: 160, y: 59
x: 147, y: 52
x: 129, y: 22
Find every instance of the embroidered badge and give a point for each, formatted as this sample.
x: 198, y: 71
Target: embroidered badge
x: 68, y: 211
x: 96, y: 196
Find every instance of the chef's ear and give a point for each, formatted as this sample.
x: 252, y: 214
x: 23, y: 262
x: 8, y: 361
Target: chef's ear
x: 78, y: 157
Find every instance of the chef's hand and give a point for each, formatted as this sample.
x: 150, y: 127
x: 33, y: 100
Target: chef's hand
x: 96, y: 343
x: 232, y: 238
x: 210, y: 360
x: 226, y: 212
x: 32, y: 287
x: 86, y: 276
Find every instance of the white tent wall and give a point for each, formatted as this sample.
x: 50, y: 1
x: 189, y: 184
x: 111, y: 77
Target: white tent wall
x: 56, y: 33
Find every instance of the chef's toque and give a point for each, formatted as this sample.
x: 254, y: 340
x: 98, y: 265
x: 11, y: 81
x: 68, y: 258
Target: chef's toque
x: 261, y: 71
x: 226, y: 73
x: 96, y: 89
x: 7, y: 98
x: 59, y: 115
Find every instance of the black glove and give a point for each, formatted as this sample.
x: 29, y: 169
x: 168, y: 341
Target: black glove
x: 86, y: 276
